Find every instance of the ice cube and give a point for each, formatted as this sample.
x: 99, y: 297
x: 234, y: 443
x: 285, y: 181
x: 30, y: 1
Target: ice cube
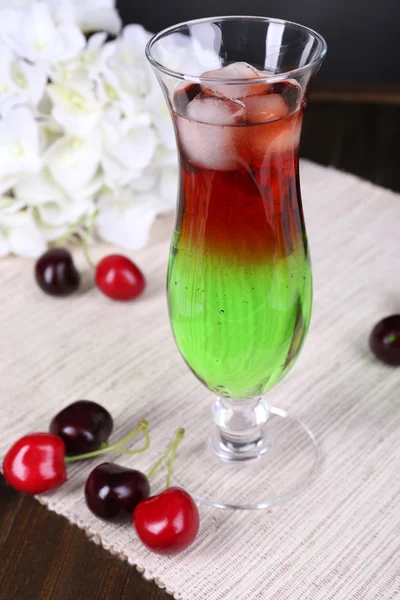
x: 207, y: 146
x: 207, y: 134
x: 184, y: 93
x: 268, y: 107
x: 215, y: 111
x: 287, y: 135
x: 239, y: 70
x: 274, y: 137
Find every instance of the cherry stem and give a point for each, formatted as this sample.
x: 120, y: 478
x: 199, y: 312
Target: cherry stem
x: 175, y: 444
x: 71, y: 229
x: 172, y: 449
x: 141, y: 428
x: 85, y: 245
x: 85, y: 249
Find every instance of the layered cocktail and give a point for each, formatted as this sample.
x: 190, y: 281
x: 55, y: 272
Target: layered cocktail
x: 239, y: 281
x: 239, y: 276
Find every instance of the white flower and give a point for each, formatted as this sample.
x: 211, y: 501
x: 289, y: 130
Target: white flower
x: 7, y: 182
x: 29, y: 79
x: 33, y: 35
x: 79, y: 157
x: 86, y: 65
x: 20, y: 81
x: 120, y: 109
x: 84, y: 127
x: 123, y: 161
x: 10, y: 205
x: 146, y: 180
x: 88, y: 15
x: 19, y: 4
x: 54, y: 206
x: 9, y: 17
x: 19, y: 143
x: 20, y: 234
x: 75, y: 106
x: 157, y: 107
x: 126, y: 58
x: 7, y: 88
x: 126, y: 219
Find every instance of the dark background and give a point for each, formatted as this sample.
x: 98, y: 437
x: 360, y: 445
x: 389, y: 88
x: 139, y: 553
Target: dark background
x: 362, y: 35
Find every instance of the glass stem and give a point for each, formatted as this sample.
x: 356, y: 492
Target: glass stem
x: 239, y: 433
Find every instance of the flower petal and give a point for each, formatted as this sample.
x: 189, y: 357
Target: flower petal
x: 67, y: 213
x: 33, y: 34
x: 52, y: 233
x: 6, y: 84
x: 23, y: 235
x: 30, y: 80
x: 39, y: 188
x: 124, y: 161
x: 101, y: 16
x: 115, y: 174
x: 74, y: 156
x: 53, y: 205
x: 75, y: 107
x: 10, y: 205
x: 19, y: 143
x: 69, y: 42
x: 7, y: 182
x: 96, y: 41
x: 135, y: 150
x: 128, y: 221
x: 145, y: 181
x: 155, y: 103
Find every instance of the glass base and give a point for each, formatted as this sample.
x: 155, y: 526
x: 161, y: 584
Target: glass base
x: 276, y: 468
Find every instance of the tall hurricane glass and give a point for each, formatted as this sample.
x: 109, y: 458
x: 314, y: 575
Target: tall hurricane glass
x: 239, y: 278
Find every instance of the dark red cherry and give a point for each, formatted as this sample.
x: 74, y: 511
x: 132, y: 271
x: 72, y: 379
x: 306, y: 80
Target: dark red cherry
x: 83, y: 426
x: 112, y: 491
x: 56, y: 274
x: 384, y: 340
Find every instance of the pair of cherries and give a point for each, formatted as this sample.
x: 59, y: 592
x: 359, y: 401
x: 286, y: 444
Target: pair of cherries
x: 166, y: 523
x: 115, y: 275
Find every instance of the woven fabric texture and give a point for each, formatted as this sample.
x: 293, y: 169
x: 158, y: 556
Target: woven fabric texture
x: 340, y: 539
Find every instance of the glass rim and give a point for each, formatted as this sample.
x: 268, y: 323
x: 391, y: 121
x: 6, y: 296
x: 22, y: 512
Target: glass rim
x: 212, y: 81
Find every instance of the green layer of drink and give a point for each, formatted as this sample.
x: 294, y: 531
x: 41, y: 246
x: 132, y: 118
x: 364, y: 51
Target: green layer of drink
x: 238, y: 326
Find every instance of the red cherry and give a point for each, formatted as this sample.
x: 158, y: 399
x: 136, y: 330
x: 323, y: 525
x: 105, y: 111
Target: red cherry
x: 168, y: 522
x: 119, y: 278
x: 35, y: 463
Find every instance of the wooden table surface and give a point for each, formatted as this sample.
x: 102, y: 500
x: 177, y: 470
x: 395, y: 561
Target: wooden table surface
x: 42, y: 556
